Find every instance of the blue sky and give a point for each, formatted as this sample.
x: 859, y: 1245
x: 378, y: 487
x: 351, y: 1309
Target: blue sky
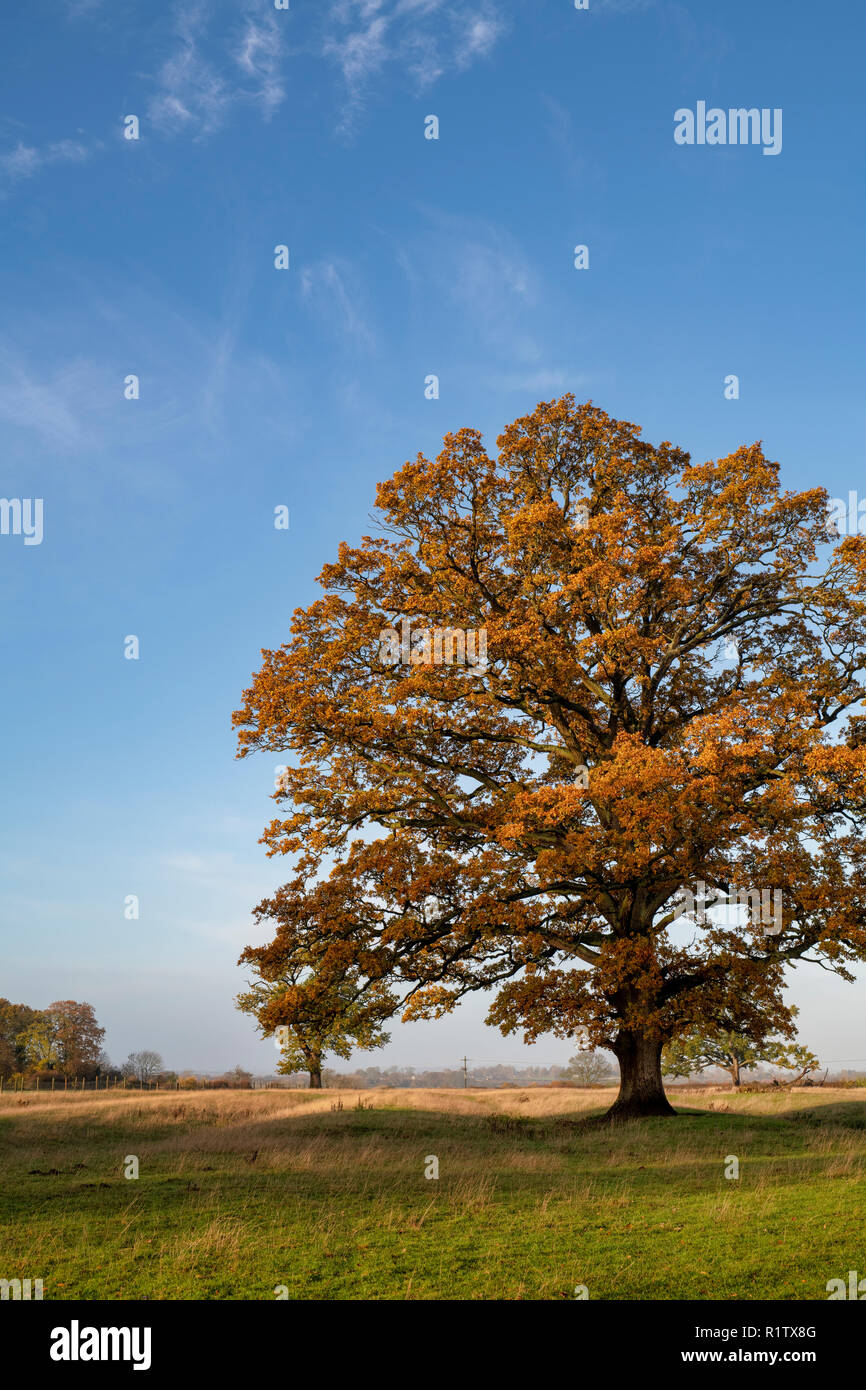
x: 304, y: 387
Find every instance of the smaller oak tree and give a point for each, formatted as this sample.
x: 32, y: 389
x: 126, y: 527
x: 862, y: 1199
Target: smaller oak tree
x: 734, y: 1052
x: 313, y: 1014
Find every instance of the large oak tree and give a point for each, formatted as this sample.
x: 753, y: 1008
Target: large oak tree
x: 530, y: 825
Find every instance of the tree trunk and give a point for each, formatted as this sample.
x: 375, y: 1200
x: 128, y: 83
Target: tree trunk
x: 641, y: 1092
x: 315, y: 1074
x: 735, y: 1072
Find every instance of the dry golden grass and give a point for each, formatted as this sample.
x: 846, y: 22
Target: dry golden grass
x: 244, y: 1190
x: 234, y: 1109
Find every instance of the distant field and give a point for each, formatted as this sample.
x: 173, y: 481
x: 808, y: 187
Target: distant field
x: 242, y: 1191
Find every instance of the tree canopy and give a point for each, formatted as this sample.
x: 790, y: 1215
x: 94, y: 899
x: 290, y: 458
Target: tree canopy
x: 65, y: 1036
x: 313, y: 1014
x: 530, y: 824
x: 144, y: 1065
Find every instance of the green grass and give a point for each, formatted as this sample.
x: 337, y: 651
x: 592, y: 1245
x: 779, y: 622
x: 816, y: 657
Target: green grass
x: 240, y: 1192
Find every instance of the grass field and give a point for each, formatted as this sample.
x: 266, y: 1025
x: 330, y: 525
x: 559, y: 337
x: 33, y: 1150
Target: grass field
x: 243, y: 1191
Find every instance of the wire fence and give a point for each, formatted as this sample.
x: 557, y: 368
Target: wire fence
x: 107, y: 1085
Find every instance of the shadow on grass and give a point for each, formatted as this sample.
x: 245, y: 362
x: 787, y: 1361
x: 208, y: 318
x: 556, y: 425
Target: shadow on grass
x: 843, y: 1114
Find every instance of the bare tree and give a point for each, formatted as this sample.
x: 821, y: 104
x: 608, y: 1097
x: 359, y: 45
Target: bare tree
x: 590, y: 1069
x: 143, y: 1065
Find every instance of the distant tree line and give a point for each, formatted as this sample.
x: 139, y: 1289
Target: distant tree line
x: 408, y: 1077
x: 236, y: 1079
x: 64, y: 1042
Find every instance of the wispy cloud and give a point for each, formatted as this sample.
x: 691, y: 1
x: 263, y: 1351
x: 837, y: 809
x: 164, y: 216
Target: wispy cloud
x: 362, y: 53
x: 489, y: 280
x: 478, y: 283
x: 62, y: 381
x: 329, y: 289
x: 486, y: 270
x: 425, y: 37
x: 26, y: 160
x: 566, y: 138
x: 197, y: 89
x: 58, y: 403
x: 480, y: 35
x: 259, y: 56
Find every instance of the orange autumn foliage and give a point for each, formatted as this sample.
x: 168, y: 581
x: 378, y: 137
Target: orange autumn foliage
x: 530, y: 824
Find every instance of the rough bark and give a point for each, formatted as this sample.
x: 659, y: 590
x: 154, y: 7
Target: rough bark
x: 641, y: 1091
